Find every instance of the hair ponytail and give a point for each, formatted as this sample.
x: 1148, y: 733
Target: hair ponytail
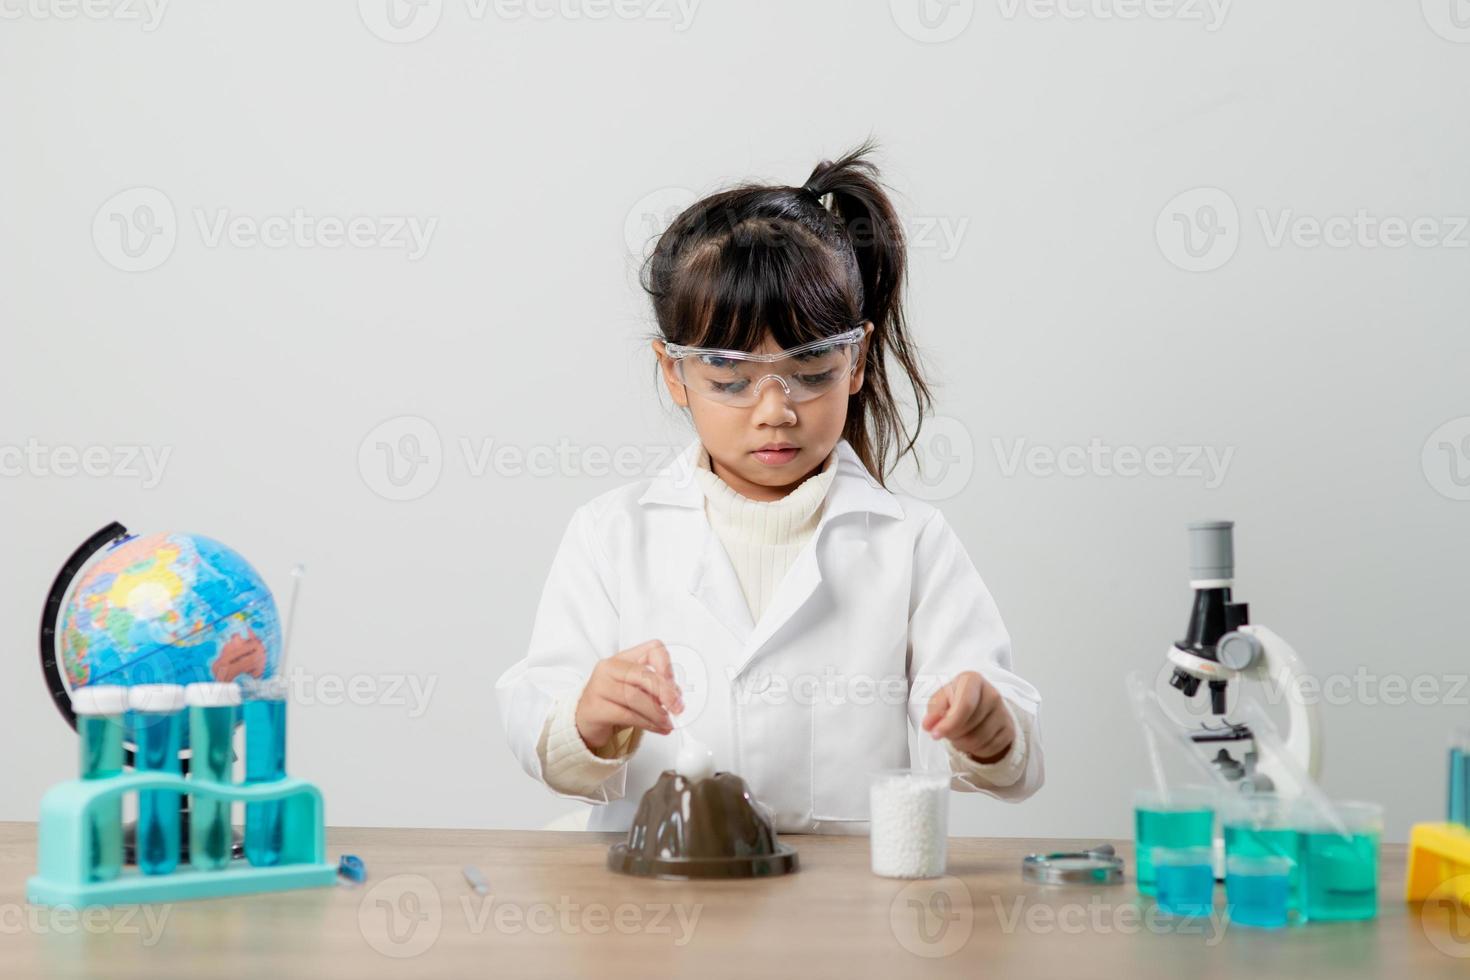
x: 758, y: 259
x: 875, y: 425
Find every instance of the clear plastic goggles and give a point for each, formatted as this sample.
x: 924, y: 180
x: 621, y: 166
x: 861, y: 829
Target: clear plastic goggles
x: 733, y: 377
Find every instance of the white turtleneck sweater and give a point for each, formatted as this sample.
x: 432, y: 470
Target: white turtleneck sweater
x: 762, y: 539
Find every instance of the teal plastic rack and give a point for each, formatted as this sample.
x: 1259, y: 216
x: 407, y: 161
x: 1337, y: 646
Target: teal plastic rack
x: 62, y: 877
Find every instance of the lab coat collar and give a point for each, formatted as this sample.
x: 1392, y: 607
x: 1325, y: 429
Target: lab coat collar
x: 711, y: 576
x: 853, y: 488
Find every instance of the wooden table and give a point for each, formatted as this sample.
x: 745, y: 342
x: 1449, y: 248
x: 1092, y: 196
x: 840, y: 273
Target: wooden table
x: 555, y: 912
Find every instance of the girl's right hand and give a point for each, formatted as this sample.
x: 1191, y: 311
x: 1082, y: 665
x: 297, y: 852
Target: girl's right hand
x: 631, y: 689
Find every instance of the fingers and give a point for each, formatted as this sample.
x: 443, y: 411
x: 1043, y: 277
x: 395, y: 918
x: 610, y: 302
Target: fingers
x: 625, y: 692
x: 992, y: 736
x: 993, y: 752
x: 659, y: 689
x: 638, y: 690
x: 616, y: 716
x: 964, y: 701
x: 938, y: 705
x: 639, y: 654
x: 654, y: 657
x: 665, y: 691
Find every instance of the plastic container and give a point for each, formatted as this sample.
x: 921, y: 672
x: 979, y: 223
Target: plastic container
x: 1258, y: 889
x: 1184, y: 879
x: 212, y: 713
x: 100, y: 712
x: 1183, y: 818
x: 158, y: 728
x: 265, y: 762
x: 1339, y: 872
x: 909, y: 829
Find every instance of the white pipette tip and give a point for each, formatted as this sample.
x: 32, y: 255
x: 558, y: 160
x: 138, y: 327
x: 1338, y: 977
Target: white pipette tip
x: 297, y: 575
x: 476, y: 879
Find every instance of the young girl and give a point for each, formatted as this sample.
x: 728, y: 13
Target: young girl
x: 765, y: 592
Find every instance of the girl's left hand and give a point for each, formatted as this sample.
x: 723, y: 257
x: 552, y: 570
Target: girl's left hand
x: 970, y: 712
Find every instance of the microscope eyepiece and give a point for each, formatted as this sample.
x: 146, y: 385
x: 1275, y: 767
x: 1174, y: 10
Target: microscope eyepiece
x: 1211, y: 551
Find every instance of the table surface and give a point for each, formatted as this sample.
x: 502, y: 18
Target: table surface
x: 555, y: 911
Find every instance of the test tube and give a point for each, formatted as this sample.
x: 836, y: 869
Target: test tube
x: 158, y: 724
x: 1457, y: 798
x: 265, y: 761
x: 212, y: 710
x: 99, y: 710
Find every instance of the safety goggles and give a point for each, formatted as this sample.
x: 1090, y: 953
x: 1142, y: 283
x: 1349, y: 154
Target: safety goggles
x: 733, y: 377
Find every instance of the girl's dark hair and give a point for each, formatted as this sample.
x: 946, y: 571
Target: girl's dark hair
x: 758, y: 259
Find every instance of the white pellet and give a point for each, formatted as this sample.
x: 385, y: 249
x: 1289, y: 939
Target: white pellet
x: 695, y: 761
x: 910, y: 824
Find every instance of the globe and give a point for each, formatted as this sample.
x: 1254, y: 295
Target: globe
x: 169, y: 609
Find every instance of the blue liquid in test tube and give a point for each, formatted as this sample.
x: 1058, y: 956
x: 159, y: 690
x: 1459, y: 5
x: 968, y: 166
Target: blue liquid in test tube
x: 100, y: 710
x: 158, y: 726
x: 1458, y: 795
x: 212, y: 711
x: 265, y: 761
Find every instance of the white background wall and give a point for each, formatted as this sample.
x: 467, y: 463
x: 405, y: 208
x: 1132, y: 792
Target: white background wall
x: 1047, y: 143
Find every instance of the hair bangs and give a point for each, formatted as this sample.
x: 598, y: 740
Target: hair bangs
x: 765, y: 278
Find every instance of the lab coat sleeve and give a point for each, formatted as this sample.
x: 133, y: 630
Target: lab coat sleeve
x: 576, y: 625
x: 568, y: 764
x: 1004, y: 771
x: 954, y: 626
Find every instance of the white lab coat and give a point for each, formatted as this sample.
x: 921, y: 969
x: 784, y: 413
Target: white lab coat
x: 880, y: 608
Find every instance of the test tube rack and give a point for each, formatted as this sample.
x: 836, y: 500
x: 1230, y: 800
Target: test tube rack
x: 68, y: 808
x: 1438, y: 853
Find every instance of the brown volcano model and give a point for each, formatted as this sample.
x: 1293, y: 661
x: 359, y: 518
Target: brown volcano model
x: 709, y: 828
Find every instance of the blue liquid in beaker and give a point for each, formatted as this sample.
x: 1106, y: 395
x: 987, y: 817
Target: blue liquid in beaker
x: 1247, y: 841
x: 1258, y: 891
x: 1339, y: 876
x: 1192, y: 827
x: 1184, y: 889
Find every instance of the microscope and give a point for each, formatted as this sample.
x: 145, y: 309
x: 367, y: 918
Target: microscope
x: 1221, y: 645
